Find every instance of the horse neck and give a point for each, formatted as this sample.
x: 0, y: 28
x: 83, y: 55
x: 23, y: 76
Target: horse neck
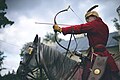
x: 53, y: 60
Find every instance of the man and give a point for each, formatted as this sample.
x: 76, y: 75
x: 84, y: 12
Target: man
x: 97, y: 33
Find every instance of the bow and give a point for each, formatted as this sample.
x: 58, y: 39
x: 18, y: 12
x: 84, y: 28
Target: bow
x: 67, y: 49
x: 55, y: 22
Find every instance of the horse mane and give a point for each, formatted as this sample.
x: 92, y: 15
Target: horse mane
x: 54, y: 62
x: 51, y: 61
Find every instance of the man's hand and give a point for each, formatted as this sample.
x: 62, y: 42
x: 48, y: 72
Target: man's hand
x: 57, y: 28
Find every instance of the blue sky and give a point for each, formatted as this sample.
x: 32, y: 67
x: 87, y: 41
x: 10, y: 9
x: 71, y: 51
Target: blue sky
x: 26, y: 12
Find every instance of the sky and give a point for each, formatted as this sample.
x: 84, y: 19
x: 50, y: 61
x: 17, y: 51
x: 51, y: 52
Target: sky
x: 26, y: 12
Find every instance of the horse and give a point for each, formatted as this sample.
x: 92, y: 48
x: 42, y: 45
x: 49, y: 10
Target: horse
x: 53, y: 63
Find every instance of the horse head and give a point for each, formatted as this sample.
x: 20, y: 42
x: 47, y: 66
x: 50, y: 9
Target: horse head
x: 28, y: 64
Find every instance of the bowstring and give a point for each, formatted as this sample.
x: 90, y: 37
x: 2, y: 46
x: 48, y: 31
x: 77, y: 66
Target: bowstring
x: 73, y: 34
x: 76, y: 14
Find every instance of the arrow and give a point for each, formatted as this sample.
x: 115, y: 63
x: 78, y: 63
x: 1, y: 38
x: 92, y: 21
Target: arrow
x: 52, y: 24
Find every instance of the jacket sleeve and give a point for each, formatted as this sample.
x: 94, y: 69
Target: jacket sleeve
x: 78, y: 29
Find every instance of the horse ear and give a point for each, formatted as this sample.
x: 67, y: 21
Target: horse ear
x: 36, y: 39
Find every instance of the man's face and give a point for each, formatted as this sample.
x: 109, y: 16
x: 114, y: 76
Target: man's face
x: 91, y: 18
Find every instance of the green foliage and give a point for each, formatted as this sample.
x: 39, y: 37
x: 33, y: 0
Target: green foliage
x: 24, y: 48
x: 3, y: 19
x: 50, y: 37
x: 3, y: 6
x: 1, y: 60
x: 116, y: 24
x: 10, y: 76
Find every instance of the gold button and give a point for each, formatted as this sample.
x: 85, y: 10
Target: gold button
x: 97, y: 71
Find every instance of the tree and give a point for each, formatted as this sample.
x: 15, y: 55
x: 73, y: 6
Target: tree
x: 50, y: 37
x: 116, y: 24
x: 3, y: 22
x: 1, y: 60
x: 10, y: 76
x: 24, y: 49
x: 3, y: 6
x: 3, y: 19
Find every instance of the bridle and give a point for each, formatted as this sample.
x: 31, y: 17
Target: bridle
x: 24, y: 65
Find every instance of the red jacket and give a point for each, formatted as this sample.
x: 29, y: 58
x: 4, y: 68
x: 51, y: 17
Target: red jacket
x: 97, y: 31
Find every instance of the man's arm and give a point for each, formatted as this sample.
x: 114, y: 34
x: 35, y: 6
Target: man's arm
x: 77, y: 29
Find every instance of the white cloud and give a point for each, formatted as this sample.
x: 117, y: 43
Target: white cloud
x: 13, y: 38
x: 11, y: 62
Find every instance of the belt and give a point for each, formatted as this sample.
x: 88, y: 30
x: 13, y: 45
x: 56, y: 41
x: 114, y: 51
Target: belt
x: 99, y: 48
x: 99, y: 45
x: 96, y: 48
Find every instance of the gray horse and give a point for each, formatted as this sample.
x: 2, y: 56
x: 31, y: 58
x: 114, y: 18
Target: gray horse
x: 40, y: 56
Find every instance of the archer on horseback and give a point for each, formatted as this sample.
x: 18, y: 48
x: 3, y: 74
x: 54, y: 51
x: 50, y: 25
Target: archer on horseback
x: 97, y: 34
